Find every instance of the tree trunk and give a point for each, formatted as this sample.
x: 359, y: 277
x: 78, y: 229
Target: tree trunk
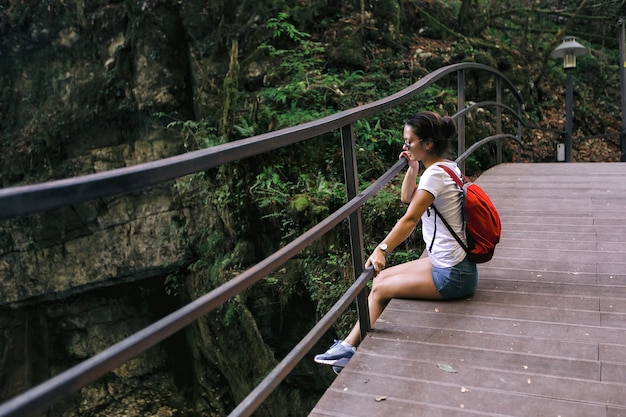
x: 464, y: 19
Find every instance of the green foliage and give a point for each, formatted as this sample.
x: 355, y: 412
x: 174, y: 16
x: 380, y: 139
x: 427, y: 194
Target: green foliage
x: 196, y: 135
x: 372, y: 137
x: 173, y: 285
x: 280, y: 26
x: 294, y: 206
x: 328, y: 274
x: 304, y: 90
x: 270, y: 189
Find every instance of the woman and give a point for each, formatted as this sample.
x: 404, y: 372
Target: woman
x: 446, y: 273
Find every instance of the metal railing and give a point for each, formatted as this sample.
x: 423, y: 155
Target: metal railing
x: 24, y: 200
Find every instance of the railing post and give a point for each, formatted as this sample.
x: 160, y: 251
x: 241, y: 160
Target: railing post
x: 622, y: 76
x: 499, y: 120
x: 461, y: 121
x: 354, y: 222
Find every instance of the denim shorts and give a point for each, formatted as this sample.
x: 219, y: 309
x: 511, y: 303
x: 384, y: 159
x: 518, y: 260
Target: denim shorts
x: 457, y: 281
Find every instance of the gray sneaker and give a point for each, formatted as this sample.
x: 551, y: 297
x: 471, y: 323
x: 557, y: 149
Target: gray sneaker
x: 336, y: 353
x: 340, y: 364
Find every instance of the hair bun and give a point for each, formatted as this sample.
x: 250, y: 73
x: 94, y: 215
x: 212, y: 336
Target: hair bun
x: 448, y: 127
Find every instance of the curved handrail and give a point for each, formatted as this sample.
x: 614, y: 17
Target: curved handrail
x: 488, y: 139
x: 28, y: 199
x: 23, y: 200
x: 485, y: 104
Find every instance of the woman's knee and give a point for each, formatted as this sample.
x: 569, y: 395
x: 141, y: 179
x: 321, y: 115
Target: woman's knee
x: 374, y: 291
x: 378, y: 290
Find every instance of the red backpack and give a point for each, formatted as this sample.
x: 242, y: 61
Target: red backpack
x: 480, y: 220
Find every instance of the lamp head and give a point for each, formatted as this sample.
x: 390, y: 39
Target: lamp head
x: 569, y: 50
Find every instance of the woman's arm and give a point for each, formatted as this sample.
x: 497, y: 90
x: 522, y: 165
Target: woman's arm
x: 409, y: 184
x: 403, y: 228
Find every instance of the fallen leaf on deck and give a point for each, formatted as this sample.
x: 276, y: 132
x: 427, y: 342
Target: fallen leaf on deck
x: 446, y: 368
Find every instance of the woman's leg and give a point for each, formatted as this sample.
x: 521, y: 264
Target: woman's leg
x: 408, y: 280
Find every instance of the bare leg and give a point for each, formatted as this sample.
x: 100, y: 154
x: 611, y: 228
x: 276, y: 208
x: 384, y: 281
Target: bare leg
x: 408, y: 280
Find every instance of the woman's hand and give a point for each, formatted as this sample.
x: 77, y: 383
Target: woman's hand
x: 412, y: 164
x: 377, y: 259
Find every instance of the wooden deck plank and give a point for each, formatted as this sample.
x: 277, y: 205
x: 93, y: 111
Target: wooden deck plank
x: 539, y: 228
x: 497, y: 342
x: 560, y: 287
x: 453, y: 309
x: 617, y: 305
x: 419, y: 398
x: 612, y: 353
x: 523, y: 328
x: 547, y: 252
x: 544, y: 334
x: 517, y: 382
x: 544, y: 299
x: 614, y: 372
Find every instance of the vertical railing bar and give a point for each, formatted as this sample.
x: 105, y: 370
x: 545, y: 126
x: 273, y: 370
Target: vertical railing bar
x: 520, y: 133
x: 461, y: 121
x: 622, y: 78
x: 354, y: 222
x: 498, y: 120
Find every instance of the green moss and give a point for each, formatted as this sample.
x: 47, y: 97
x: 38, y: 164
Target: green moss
x: 300, y: 202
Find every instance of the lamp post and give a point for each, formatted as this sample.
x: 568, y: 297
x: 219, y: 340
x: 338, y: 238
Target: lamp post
x: 568, y: 50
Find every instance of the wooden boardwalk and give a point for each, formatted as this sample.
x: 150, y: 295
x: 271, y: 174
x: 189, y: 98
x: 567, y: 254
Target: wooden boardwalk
x: 545, y: 333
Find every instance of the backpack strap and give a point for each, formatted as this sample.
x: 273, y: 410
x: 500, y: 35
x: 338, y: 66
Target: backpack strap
x: 454, y: 176
x: 432, y: 242
x: 460, y: 184
x: 458, y: 239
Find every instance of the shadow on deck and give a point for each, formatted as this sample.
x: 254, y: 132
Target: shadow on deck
x: 545, y: 333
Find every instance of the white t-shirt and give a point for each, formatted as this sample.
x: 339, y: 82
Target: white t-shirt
x: 446, y: 251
